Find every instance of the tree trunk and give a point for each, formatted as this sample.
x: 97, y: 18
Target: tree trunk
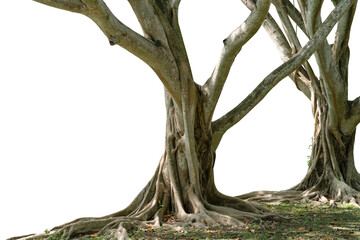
x: 182, y: 187
x: 332, y: 173
x: 185, y: 187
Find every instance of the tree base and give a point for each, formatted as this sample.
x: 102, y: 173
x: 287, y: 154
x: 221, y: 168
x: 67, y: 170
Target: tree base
x: 153, y: 206
x: 332, y: 192
x: 118, y: 227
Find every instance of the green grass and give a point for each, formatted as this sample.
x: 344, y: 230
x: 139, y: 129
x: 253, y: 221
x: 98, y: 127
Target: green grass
x: 301, y: 221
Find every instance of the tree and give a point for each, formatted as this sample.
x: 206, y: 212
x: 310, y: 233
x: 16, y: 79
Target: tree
x: 184, y: 183
x: 331, y: 174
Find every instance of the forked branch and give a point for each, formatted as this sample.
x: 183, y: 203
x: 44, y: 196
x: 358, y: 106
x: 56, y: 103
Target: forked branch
x: 232, y: 46
x: 221, y: 125
x: 148, y: 50
x: 301, y: 78
x: 115, y: 30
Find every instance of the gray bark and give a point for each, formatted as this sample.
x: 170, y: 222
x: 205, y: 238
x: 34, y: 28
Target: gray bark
x: 183, y: 183
x: 331, y: 172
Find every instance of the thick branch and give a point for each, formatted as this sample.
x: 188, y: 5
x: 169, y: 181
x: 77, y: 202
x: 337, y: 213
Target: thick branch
x: 349, y: 124
x: 300, y: 77
x: 151, y: 52
x: 155, y: 26
x: 76, y: 6
x: 343, y: 34
x: 115, y: 31
x: 232, y: 46
x: 221, y: 125
x: 333, y: 83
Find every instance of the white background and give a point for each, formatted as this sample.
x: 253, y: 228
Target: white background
x: 73, y: 109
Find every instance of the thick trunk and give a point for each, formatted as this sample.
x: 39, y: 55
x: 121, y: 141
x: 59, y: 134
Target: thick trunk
x: 332, y: 173
x: 183, y: 190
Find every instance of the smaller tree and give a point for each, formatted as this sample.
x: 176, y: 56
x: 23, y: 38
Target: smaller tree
x: 331, y: 173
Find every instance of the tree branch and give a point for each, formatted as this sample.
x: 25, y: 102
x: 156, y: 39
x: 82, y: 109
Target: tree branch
x: 115, y: 31
x: 340, y: 48
x: 149, y: 50
x: 76, y: 6
x: 330, y: 76
x: 343, y: 34
x: 232, y: 46
x: 295, y: 16
x: 300, y: 77
x: 221, y: 125
x: 350, y: 123
x: 305, y: 76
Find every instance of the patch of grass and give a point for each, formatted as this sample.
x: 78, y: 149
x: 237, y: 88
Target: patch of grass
x: 301, y: 221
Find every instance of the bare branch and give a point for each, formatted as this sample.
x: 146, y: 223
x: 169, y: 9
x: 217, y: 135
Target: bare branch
x: 221, y: 125
x: 305, y: 75
x: 232, y: 46
x: 116, y: 31
x: 295, y: 15
x: 149, y: 50
x: 343, y: 34
x: 340, y: 48
x: 300, y: 76
x: 288, y: 27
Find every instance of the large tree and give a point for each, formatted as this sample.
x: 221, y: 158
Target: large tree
x: 331, y: 174
x: 183, y: 183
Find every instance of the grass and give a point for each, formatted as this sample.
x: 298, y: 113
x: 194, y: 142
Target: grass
x: 301, y: 221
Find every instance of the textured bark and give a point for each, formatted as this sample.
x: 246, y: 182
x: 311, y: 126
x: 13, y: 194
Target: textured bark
x: 332, y: 174
x: 183, y: 184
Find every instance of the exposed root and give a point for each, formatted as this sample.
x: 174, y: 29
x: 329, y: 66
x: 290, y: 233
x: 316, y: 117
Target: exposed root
x: 118, y: 227
x: 273, y: 196
x: 336, y: 192
x: 203, y: 214
x: 157, y: 200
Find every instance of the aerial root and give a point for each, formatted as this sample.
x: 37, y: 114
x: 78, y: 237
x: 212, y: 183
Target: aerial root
x: 237, y: 203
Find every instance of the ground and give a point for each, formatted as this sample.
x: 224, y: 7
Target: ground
x: 301, y: 221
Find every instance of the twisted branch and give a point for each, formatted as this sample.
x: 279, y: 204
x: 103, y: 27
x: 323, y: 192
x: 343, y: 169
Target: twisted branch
x: 232, y: 46
x: 221, y: 125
